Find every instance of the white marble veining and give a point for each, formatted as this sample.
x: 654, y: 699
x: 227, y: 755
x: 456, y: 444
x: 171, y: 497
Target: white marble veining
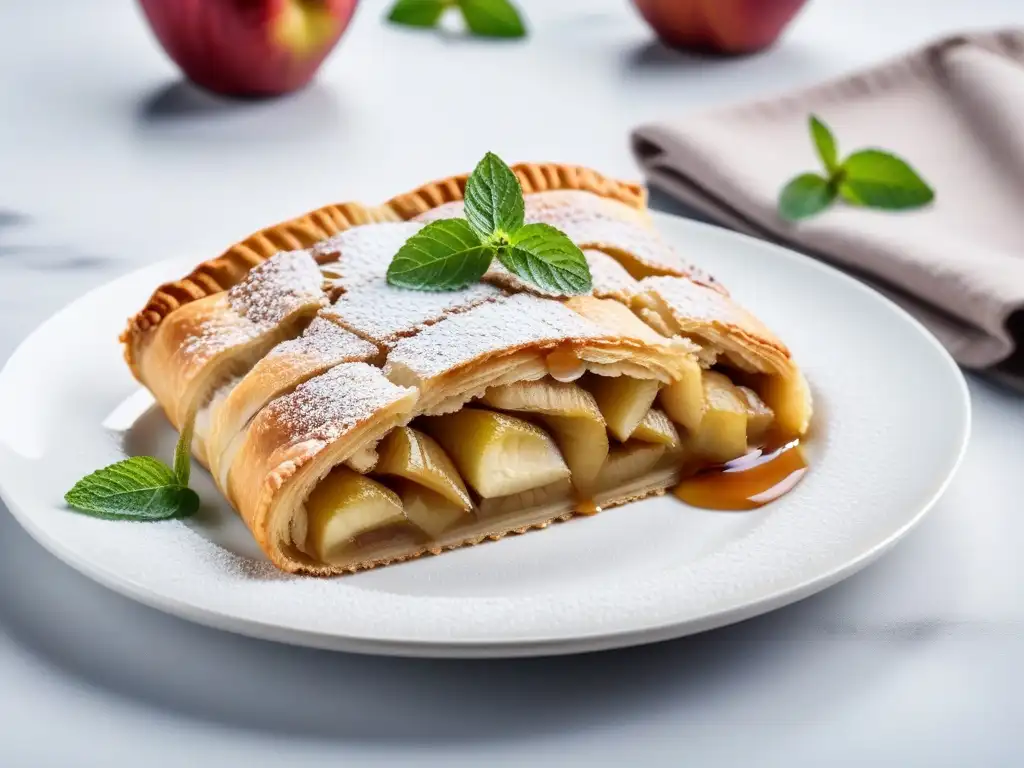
x: 107, y: 162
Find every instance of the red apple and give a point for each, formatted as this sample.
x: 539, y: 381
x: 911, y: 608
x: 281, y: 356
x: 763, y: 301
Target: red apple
x: 721, y: 26
x: 249, y: 47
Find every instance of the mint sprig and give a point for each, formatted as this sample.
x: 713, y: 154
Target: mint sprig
x: 484, y: 18
x: 494, y: 199
x: 139, y: 488
x: 443, y: 256
x: 870, y: 178
x: 545, y: 256
x: 452, y: 253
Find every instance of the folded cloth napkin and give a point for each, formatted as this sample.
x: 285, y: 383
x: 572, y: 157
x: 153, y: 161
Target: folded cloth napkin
x: 953, y: 109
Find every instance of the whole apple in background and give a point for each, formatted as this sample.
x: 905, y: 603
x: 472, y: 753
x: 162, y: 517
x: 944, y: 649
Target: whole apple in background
x: 248, y: 47
x: 719, y: 26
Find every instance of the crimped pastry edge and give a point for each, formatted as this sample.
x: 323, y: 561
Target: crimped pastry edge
x: 224, y: 271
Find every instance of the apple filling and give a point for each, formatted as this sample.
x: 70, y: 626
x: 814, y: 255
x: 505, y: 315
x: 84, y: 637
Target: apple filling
x: 525, y: 451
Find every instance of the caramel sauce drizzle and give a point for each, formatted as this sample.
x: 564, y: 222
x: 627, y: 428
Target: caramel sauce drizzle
x: 746, y: 483
x: 751, y: 481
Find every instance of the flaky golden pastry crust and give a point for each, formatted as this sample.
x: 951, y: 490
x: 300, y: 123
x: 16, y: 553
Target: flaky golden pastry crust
x: 294, y: 356
x: 230, y: 267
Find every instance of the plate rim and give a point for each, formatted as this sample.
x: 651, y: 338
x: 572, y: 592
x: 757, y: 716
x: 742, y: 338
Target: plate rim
x: 485, y: 648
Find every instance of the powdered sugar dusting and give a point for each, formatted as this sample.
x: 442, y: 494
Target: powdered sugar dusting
x: 643, y: 244
x: 490, y: 328
x: 362, y: 254
x: 384, y: 313
x: 222, y: 329
x: 276, y: 288
x: 452, y: 210
x: 327, y: 406
x: 610, y: 279
x: 279, y: 288
x: 690, y: 302
x: 325, y: 341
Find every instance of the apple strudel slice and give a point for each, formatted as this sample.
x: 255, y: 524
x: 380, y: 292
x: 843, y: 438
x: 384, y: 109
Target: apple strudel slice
x: 354, y: 424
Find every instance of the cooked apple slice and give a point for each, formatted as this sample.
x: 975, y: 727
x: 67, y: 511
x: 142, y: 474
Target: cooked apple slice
x: 656, y: 427
x: 346, y: 509
x: 431, y: 512
x: 683, y: 400
x: 409, y: 453
x: 554, y: 398
x: 722, y: 435
x: 560, y: 490
x: 628, y: 462
x: 497, y: 454
x: 623, y: 400
x: 572, y: 416
x: 759, y: 415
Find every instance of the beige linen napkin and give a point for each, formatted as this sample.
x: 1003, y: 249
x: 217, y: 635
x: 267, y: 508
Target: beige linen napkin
x: 955, y: 111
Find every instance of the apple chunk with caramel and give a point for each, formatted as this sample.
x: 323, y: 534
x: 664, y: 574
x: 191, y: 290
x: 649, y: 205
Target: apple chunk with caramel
x: 683, y: 399
x: 722, y: 434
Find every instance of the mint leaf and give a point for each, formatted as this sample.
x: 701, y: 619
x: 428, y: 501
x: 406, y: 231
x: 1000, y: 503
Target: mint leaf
x: 139, y: 488
x: 417, y: 13
x: 445, y: 255
x: 870, y: 178
x: 183, y: 453
x: 492, y: 18
x: 806, y: 195
x: 878, y: 179
x: 494, y: 199
x: 825, y: 142
x: 849, y: 196
x: 452, y: 253
x: 547, y: 258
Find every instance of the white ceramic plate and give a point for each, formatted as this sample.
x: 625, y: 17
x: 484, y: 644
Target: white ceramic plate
x: 892, y: 419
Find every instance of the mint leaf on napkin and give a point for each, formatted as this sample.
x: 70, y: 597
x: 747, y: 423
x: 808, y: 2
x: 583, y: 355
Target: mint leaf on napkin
x: 880, y: 180
x: 825, y: 143
x: 869, y: 178
x: 805, y: 196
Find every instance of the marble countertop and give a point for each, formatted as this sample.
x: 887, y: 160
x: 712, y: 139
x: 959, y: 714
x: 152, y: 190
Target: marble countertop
x: 109, y: 162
